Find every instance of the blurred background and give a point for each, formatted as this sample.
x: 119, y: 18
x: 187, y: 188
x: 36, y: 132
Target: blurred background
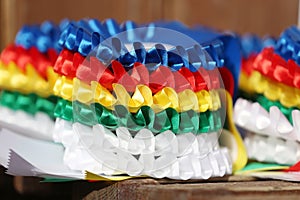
x: 261, y: 17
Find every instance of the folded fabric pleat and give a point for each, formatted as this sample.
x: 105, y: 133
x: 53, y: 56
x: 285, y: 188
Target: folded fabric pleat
x: 145, y: 117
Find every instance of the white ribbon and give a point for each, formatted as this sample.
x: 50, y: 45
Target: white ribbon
x: 98, y: 150
x: 38, y: 126
x: 253, y: 117
x: 272, y: 149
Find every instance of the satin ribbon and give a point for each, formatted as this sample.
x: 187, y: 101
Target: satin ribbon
x: 247, y: 64
x: 253, y: 117
x: 233, y: 140
x: 276, y: 68
x: 288, y: 44
x: 166, y: 98
x: 27, y: 81
x: 224, y: 49
x: 272, y: 149
x: 44, y: 36
x: 252, y: 44
x: 163, y: 155
x: 23, y: 57
x: 29, y: 103
x: 84, y: 35
x: 145, y: 117
x: 92, y: 69
x: 274, y: 91
x: 177, y: 57
x: 228, y: 80
x: 267, y: 104
x: 38, y: 125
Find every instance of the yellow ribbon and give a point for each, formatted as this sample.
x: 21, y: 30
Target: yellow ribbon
x: 166, y: 98
x: 234, y: 141
x: 12, y: 78
x: 94, y: 177
x: 274, y: 91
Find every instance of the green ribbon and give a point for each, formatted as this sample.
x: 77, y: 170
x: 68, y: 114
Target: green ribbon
x: 145, y: 117
x: 266, y: 104
x: 30, y: 103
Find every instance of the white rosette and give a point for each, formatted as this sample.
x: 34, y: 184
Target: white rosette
x: 39, y: 125
x: 272, y: 149
x: 185, y: 156
x: 253, y: 117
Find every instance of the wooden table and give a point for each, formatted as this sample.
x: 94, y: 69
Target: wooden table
x: 229, y: 187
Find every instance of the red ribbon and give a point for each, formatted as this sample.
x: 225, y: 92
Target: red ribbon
x: 247, y: 64
x: 21, y: 57
x: 91, y: 69
x: 228, y: 80
x: 294, y: 168
x: 275, y: 67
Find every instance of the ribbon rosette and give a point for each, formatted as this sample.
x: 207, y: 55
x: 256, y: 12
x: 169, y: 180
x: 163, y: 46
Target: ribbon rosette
x: 129, y: 99
x: 135, y: 98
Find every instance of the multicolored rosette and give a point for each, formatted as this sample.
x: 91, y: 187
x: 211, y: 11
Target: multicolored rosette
x: 119, y: 99
x: 139, y: 100
x: 270, y: 111
x: 27, y: 79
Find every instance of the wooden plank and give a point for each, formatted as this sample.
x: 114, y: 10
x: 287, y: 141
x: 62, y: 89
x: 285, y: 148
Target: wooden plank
x: 32, y: 186
x: 128, y: 189
x: 150, y: 189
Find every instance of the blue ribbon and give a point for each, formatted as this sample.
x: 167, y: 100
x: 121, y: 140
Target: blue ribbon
x: 43, y: 37
x: 175, y: 58
x: 253, y: 44
x: 224, y: 50
x: 288, y: 45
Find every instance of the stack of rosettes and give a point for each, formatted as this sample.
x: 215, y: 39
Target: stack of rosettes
x: 269, y: 110
x: 143, y: 100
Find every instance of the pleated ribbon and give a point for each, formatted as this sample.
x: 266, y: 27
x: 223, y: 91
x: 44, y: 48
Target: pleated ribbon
x: 100, y: 151
x: 253, y: 117
x: 288, y: 45
x: 274, y: 91
x: 27, y: 80
x: 166, y: 98
x: 276, y: 68
x: 93, y: 70
x: 252, y: 44
x: 267, y: 104
x: 22, y: 57
x: 38, y: 125
x: 85, y: 35
x: 145, y: 117
x: 44, y: 36
x: 272, y: 149
x: 30, y: 103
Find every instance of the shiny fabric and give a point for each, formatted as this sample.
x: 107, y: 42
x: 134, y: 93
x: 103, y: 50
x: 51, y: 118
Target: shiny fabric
x: 68, y: 64
x: 273, y: 66
x: 28, y: 81
x: 142, y: 96
x: 223, y: 49
x: 267, y: 104
x: 43, y: 37
x: 30, y: 103
x: 288, y: 45
x: 274, y: 91
x: 145, y: 117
